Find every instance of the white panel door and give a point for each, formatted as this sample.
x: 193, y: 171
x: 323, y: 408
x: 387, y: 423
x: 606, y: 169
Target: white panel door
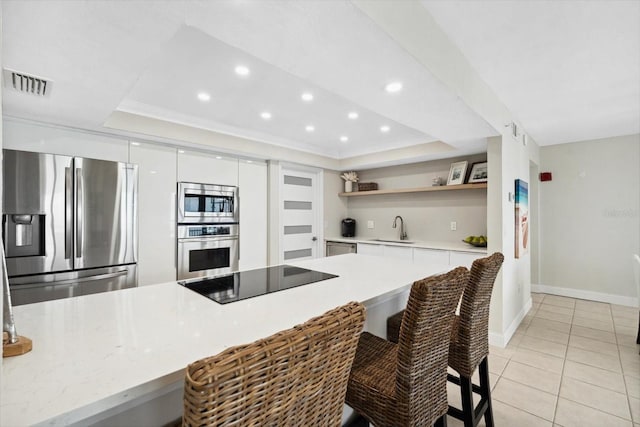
x: 300, y: 213
x: 252, y: 192
x: 156, y: 212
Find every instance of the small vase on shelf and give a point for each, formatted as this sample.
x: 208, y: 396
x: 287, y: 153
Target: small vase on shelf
x: 348, y: 186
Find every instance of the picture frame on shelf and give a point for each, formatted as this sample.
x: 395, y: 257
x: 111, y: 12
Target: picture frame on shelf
x: 479, y: 173
x: 457, y: 173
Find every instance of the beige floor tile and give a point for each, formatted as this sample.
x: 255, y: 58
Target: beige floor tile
x: 593, y: 334
x: 595, y: 397
x: 625, y: 322
x: 528, y: 399
x: 634, y: 404
x: 625, y: 330
x: 506, y: 352
x: 515, y: 340
x: 627, y: 340
x: 506, y: 415
x: 538, y: 360
x: 599, y: 360
x: 631, y: 369
x: 543, y: 346
x: 537, y: 297
x: 558, y: 300
x: 551, y: 324
x: 558, y: 317
x: 497, y: 364
x: 556, y: 309
x: 533, y: 377
x: 593, y: 324
x: 624, y: 309
x: 572, y: 414
x: 547, y: 334
x: 593, y: 345
x: 593, y: 306
x: 595, y: 376
x: 633, y: 386
x: 601, y: 317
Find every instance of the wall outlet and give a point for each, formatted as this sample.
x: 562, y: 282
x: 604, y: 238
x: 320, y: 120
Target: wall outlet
x: 454, y: 226
x: 370, y: 224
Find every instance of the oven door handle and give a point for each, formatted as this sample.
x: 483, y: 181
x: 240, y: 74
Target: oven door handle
x: 208, y: 240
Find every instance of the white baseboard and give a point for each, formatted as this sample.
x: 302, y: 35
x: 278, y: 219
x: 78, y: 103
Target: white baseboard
x: 587, y: 295
x: 501, y: 340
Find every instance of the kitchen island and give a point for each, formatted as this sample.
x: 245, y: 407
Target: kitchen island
x: 98, y: 355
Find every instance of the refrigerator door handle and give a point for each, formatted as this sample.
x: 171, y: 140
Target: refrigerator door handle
x: 68, y: 213
x: 79, y: 202
x: 77, y: 280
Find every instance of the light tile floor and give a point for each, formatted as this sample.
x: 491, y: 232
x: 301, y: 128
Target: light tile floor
x: 570, y: 363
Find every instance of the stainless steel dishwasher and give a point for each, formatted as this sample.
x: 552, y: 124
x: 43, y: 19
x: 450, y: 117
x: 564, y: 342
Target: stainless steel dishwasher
x: 339, y: 248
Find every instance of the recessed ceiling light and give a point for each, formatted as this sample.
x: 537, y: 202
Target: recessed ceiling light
x: 181, y: 151
x: 384, y: 129
x: 135, y: 143
x: 204, y: 96
x: 249, y: 161
x: 218, y: 157
x: 307, y: 96
x: 243, y: 71
x: 344, y: 138
x: 310, y: 128
x: 265, y: 115
x: 393, y: 87
x: 353, y: 115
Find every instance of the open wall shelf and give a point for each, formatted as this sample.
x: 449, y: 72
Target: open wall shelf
x: 416, y: 190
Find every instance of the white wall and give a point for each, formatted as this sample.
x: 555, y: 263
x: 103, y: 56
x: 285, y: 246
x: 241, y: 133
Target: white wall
x: 427, y: 216
x: 335, y: 207
x: 509, y: 160
x: 590, y: 222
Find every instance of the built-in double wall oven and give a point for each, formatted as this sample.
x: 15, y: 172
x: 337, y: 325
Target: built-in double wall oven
x: 208, y: 230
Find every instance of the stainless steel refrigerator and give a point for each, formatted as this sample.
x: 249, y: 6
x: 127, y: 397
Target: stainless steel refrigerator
x: 69, y: 225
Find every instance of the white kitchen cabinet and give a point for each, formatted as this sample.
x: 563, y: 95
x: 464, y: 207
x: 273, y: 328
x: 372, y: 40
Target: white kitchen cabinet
x: 41, y: 138
x: 156, y: 212
x: 464, y: 259
x: 252, y: 192
x: 370, y: 249
x: 430, y: 256
x: 195, y: 166
x: 398, y: 252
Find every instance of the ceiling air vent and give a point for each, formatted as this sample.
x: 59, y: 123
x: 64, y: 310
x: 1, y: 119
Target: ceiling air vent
x: 25, y: 83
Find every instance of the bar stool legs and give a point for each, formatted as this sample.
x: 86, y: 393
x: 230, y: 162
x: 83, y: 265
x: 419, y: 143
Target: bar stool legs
x: 469, y: 414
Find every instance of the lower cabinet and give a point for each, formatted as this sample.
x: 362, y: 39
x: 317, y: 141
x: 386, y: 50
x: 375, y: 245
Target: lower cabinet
x: 421, y: 255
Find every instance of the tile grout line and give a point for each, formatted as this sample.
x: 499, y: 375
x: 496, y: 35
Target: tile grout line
x: 624, y: 379
x: 564, y: 363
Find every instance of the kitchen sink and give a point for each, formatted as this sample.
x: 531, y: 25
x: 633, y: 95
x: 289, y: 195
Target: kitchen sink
x: 392, y: 241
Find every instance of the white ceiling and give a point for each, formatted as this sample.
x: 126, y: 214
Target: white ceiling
x: 567, y: 70
x: 571, y: 81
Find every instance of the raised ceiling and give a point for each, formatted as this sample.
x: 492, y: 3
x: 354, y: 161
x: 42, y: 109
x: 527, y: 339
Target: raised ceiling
x: 152, y: 58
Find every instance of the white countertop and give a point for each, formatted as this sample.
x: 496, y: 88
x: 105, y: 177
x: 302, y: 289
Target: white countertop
x: 446, y: 246
x: 96, y: 352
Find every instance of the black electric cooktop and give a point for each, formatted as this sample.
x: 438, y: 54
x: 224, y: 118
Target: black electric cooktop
x: 248, y: 284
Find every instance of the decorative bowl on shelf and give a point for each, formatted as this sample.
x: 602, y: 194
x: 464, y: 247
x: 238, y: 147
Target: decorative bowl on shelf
x: 477, y: 241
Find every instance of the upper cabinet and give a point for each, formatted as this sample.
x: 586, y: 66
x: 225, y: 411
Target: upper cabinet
x: 195, y: 166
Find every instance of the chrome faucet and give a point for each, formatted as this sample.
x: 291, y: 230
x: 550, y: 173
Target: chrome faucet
x: 403, y: 234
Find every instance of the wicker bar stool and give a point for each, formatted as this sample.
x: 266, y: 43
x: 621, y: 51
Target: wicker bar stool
x: 297, y: 377
x: 404, y: 384
x: 469, y: 345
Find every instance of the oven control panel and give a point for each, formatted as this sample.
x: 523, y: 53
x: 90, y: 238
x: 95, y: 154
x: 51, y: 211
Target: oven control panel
x: 209, y: 231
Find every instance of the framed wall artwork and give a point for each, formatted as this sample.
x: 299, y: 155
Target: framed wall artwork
x: 457, y: 173
x: 479, y: 173
x: 522, y: 218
